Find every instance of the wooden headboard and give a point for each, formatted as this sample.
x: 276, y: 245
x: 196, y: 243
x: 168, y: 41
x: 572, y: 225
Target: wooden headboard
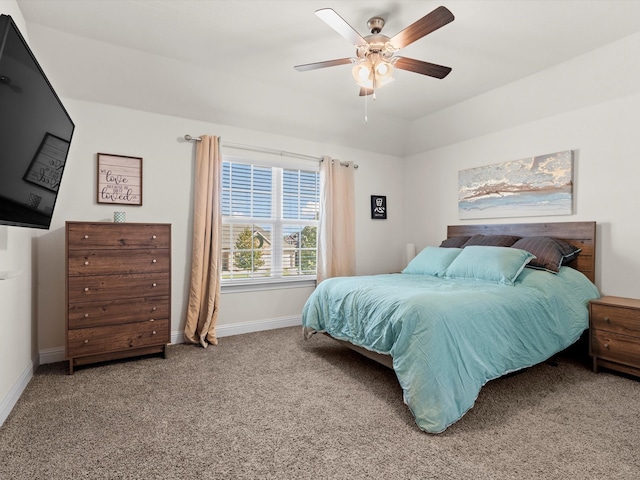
x: 579, y: 234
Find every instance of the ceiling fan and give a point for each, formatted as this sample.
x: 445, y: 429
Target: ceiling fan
x: 375, y: 60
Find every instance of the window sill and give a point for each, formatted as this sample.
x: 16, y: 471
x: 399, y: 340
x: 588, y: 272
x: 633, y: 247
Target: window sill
x: 257, y: 285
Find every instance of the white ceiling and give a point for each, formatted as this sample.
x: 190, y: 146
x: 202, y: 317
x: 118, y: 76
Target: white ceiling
x: 245, y: 52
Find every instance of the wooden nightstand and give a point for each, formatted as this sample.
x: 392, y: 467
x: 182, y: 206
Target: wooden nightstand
x: 614, y: 334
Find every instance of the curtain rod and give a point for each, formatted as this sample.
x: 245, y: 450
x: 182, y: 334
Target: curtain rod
x: 273, y: 151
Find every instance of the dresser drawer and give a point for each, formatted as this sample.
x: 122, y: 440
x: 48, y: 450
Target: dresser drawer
x: 117, y: 235
x: 97, y: 340
x: 614, y: 347
x: 614, y: 319
x: 112, y: 312
x: 108, y: 287
x: 100, y: 262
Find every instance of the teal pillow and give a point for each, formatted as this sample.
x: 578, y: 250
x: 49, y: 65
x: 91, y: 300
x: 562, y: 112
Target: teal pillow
x: 489, y: 264
x: 432, y: 261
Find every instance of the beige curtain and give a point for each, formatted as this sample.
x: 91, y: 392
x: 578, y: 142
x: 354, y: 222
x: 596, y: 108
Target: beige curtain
x: 204, y: 292
x: 336, y: 230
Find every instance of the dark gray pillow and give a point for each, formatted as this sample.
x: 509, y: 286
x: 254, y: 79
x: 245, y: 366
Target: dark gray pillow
x: 492, y: 240
x: 455, y: 242
x: 551, y: 253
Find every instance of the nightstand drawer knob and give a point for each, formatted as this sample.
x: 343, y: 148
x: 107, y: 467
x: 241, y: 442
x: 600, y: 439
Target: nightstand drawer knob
x: 154, y: 237
x: 154, y: 285
x: 606, y: 345
x: 154, y: 308
x: 154, y: 260
x: 86, y: 341
x: 86, y: 315
x: 86, y: 289
x: 606, y: 320
x: 152, y: 319
x: 154, y: 332
x: 86, y: 236
x: 86, y: 263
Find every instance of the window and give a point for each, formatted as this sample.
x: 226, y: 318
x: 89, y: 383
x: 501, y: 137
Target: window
x: 269, y: 223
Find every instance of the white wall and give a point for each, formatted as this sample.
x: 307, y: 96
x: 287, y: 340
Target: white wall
x: 606, y: 168
x: 167, y: 194
x: 18, y: 331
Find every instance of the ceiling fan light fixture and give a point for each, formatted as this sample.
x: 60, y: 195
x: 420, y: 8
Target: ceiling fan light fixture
x: 370, y: 74
x: 362, y: 72
x: 384, y: 70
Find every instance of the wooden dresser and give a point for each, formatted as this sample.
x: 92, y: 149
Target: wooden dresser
x: 614, y: 334
x: 118, y: 290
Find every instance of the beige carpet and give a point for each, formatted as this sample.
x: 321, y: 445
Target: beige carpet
x: 271, y: 405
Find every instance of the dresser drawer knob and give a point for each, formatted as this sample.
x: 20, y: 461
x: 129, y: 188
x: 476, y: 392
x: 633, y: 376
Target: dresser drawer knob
x: 86, y: 341
x: 154, y: 308
x: 606, y: 345
x: 154, y: 237
x: 86, y: 236
x: 152, y: 319
x: 86, y: 263
x: 154, y: 285
x: 154, y: 260
x: 154, y: 332
x: 86, y: 289
x: 606, y: 320
x: 86, y: 315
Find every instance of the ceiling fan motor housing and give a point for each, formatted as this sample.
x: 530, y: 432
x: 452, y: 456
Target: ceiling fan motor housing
x: 375, y: 24
x: 376, y: 43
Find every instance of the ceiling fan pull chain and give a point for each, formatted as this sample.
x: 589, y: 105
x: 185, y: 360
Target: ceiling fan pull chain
x: 375, y: 84
x: 366, y: 119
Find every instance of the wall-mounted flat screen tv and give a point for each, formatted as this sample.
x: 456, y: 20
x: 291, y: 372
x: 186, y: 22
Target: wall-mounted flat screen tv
x: 35, y: 134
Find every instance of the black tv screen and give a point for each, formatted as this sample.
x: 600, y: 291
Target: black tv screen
x: 35, y: 134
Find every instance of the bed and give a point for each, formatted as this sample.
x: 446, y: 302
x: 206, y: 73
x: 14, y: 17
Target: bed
x: 465, y: 312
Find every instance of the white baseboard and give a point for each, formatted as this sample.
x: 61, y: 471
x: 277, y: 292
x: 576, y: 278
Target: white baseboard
x: 9, y: 401
x: 258, y: 326
x: 246, y: 327
x: 53, y: 355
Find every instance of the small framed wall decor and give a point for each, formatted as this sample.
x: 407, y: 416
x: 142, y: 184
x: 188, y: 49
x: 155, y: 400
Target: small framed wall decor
x: 47, y: 165
x: 379, y: 207
x: 119, y: 179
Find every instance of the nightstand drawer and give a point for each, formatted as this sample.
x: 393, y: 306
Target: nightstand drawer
x: 615, y: 319
x: 617, y: 348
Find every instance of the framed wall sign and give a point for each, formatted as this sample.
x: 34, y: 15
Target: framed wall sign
x: 379, y: 207
x: 119, y: 179
x: 47, y: 165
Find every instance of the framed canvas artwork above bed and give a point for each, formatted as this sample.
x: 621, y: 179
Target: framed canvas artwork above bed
x: 536, y: 186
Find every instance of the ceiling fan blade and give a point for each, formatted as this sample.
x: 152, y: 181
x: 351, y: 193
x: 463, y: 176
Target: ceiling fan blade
x: 335, y: 21
x: 427, y: 24
x: 327, y: 63
x: 365, y: 91
x: 424, y: 68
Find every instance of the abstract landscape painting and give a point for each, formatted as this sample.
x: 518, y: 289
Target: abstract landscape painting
x: 536, y: 186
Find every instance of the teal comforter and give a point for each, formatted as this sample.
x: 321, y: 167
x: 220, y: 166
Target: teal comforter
x: 449, y: 337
